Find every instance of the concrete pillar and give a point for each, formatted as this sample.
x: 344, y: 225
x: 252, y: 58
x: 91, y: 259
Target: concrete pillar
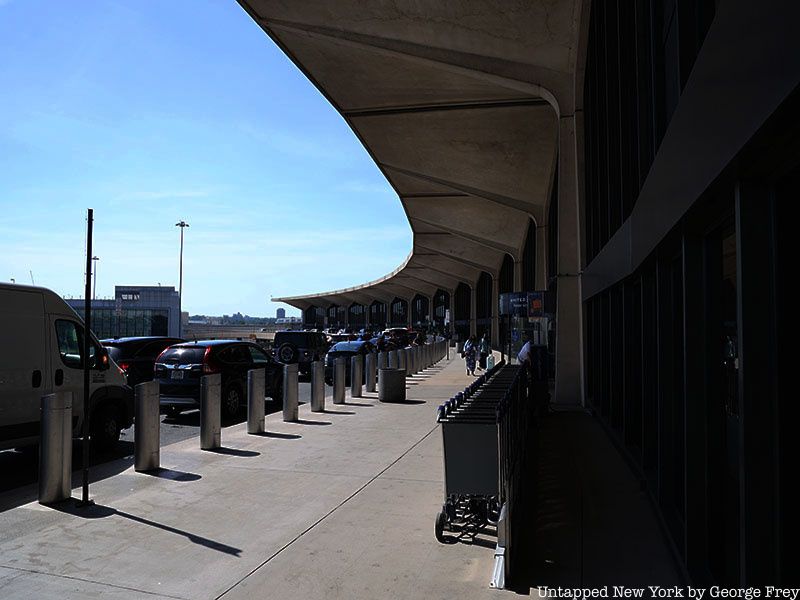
x: 452, y: 309
x: 430, y: 308
x: 473, y: 309
x: 518, y: 264
x: 540, y: 275
x: 347, y: 316
x: 569, y: 326
x: 494, y: 338
x: 367, y: 309
x: 410, y: 312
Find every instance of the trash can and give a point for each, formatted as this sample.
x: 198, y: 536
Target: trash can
x: 392, y: 385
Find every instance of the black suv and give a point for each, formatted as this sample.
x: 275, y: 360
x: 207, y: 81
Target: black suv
x: 301, y: 347
x: 136, y: 356
x: 179, y: 368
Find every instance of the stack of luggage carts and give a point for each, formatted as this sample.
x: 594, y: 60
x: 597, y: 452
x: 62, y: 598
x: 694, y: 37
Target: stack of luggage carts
x: 483, y: 433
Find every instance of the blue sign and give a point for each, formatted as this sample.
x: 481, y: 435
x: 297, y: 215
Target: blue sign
x: 523, y: 304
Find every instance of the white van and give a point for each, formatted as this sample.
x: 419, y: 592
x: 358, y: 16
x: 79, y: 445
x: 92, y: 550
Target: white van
x: 41, y: 352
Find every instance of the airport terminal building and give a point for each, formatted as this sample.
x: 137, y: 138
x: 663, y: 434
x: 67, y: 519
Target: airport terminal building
x: 634, y: 159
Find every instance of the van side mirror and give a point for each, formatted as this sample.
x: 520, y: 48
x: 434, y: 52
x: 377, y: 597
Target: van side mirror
x: 101, y: 360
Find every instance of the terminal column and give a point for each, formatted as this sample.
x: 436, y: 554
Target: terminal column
x: 452, y: 309
x: 473, y: 309
x: 569, y: 326
x: 495, y: 308
x: 518, y: 265
x: 540, y: 273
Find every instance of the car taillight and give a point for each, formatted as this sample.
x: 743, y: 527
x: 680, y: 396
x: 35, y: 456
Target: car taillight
x: 123, y: 367
x: 209, y: 366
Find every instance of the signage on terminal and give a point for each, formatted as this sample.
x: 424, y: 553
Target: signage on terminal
x: 523, y: 304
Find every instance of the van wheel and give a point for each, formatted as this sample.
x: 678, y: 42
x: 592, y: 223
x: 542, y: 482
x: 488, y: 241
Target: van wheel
x: 231, y: 402
x: 105, y: 428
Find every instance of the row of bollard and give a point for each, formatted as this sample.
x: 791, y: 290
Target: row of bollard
x: 389, y: 369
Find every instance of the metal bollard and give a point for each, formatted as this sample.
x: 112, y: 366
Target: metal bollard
x: 383, y: 360
x: 339, y: 374
x: 210, y: 415
x: 256, y: 389
x: 317, y: 386
x: 418, y: 359
x: 290, y: 392
x: 147, y: 433
x: 356, y: 376
x: 401, y: 360
x: 371, y: 371
x: 411, y: 356
x: 55, y: 448
x: 392, y: 362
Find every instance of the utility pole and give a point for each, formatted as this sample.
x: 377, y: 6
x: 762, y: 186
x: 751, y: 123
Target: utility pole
x: 183, y: 225
x: 94, y: 287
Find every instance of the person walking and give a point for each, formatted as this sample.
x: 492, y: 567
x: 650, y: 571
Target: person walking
x: 484, y: 348
x: 469, y: 353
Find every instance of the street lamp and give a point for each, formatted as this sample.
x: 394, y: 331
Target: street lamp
x: 94, y: 287
x: 183, y: 225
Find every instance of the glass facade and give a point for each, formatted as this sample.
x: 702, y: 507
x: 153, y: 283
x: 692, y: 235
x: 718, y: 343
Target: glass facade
x: 111, y: 323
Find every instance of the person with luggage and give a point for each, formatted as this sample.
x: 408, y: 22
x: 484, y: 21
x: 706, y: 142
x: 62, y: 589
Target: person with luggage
x: 469, y: 353
x: 484, y: 348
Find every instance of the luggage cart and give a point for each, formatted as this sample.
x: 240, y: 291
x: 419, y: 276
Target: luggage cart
x: 470, y: 436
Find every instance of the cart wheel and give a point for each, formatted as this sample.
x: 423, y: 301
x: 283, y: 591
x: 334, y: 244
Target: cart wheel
x: 441, y: 520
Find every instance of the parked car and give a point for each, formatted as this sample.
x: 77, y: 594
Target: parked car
x: 400, y: 336
x: 346, y: 350
x: 42, y: 352
x: 178, y: 370
x: 301, y: 347
x: 136, y: 356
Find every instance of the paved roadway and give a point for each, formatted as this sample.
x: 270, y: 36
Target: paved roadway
x: 20, y: 467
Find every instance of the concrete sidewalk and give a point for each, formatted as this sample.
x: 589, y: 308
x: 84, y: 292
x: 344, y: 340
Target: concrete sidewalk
x: 338, y: 505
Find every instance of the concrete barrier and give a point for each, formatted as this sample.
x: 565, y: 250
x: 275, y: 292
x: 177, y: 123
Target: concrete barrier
x: 256, y: 388
x: 290, y: 409
x: 55, y: 448
x: 210, y: 415
x: 147, y: 433
x: 356, y: 376
x: 317, y: 386
x: 339, y: 374
x: 372, y: 372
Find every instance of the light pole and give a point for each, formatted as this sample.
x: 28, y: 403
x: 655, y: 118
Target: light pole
x: 183, y: 225
x: 94, y: 287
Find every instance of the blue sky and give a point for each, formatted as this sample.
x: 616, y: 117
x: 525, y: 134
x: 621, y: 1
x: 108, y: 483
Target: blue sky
x: 153, y: 111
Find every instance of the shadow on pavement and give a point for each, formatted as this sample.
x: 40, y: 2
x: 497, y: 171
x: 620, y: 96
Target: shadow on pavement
x: 20, y: 469
x: 307, y: 422
x: 356, y: 404
x: 278, y: 436
x: 173, y: 475
x: 98, y: 511
x: 338, y: 412
x: 234, y: 452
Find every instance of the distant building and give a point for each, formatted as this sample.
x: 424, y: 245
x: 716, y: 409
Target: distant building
x: 281, y: 313
x: 135, y: 310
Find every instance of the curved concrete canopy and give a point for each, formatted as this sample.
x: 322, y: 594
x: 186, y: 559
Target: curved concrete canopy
x: 458, y: 103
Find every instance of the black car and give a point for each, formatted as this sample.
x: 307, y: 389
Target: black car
x: 136, y: 356
x: 346, y: 350
x: 179, y: 368
x: 301, y: 347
